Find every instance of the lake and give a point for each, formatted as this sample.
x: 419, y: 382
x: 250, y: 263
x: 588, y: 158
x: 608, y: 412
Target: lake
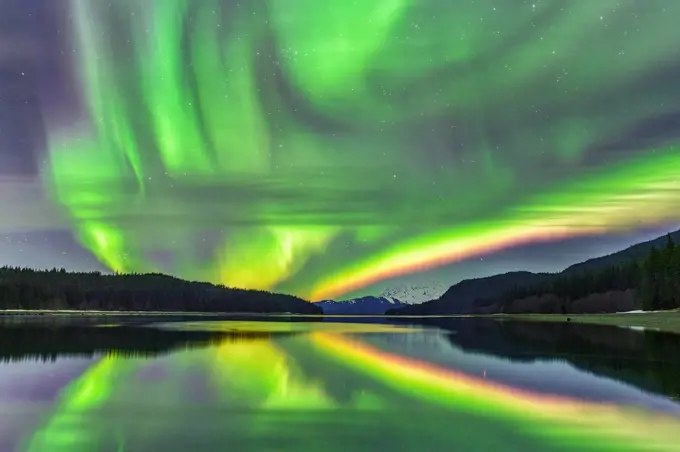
x: 118, y: 384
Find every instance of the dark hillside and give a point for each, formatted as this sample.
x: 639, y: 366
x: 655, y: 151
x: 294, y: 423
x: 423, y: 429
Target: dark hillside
x: 470, y: 294
x: 60, y: 290
x: 616, y: 282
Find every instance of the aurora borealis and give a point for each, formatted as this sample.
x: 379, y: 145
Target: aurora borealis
x: 319, y: 148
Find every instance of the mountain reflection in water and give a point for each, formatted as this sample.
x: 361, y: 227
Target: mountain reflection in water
x: 472, y: 385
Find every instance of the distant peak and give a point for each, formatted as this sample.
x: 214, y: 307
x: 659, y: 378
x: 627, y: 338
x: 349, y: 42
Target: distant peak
x: 415, y: 293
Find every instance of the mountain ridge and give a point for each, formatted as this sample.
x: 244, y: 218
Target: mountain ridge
x: 415, y: 293
x: 477, y: 295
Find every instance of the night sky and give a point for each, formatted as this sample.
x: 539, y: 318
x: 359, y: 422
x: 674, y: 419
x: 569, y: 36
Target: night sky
x: 330, y: 149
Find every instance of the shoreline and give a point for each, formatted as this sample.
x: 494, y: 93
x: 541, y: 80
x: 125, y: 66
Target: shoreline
x: 663, y: 321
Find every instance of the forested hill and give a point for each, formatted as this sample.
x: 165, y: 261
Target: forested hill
x: 468, y: 295
x: 636, y: 252
x: 29, y: 289
x: 643, y: 275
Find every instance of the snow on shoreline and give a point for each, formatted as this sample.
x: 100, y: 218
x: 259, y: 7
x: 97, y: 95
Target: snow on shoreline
x: 640, y: 311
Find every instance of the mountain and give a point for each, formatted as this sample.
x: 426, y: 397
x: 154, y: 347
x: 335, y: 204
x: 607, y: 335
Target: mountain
x: 414, y: 293
x: 359, y: 306
x: 478, y: 295
x: 471, y: 293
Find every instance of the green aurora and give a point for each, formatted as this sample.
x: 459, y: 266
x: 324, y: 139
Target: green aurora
x: 318, y: 148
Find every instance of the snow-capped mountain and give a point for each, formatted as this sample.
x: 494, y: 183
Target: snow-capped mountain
x: 415, y: 293
x: 359, y: 306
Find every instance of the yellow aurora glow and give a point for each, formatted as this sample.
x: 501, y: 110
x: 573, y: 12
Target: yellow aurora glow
x: 586, y: 207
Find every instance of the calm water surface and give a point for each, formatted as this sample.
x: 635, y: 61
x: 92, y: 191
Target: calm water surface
x: 457, y: 384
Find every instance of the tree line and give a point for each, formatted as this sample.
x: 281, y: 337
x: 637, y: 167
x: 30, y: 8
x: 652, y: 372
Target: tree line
x: 660, y: 282
x: 655, y: 280
x: 57, y: 289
